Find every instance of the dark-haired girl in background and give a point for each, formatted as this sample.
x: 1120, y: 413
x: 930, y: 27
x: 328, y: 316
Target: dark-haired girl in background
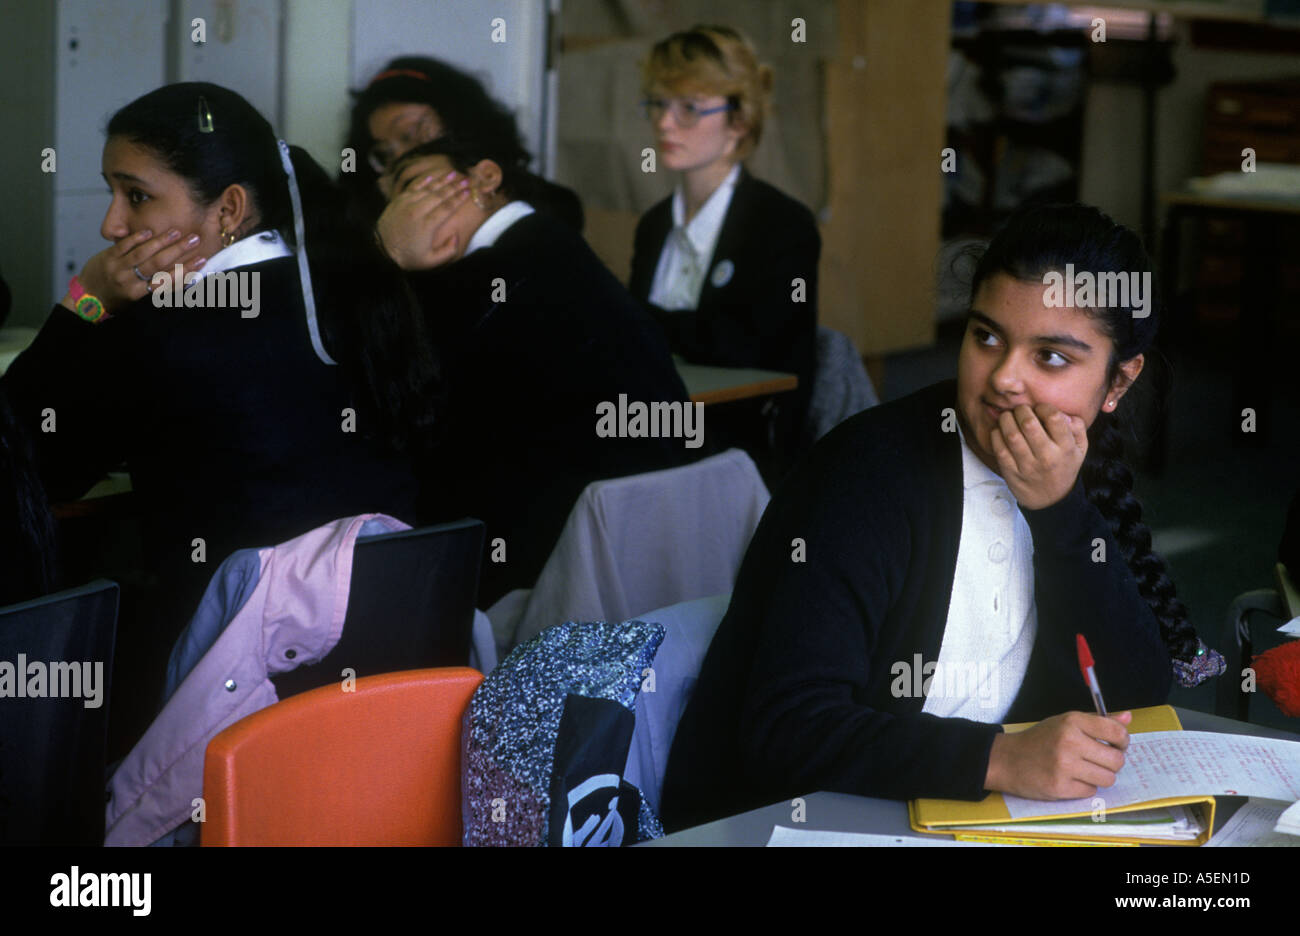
x: 979, y: 525
x: 535, y: 333
x: 235, y: 427
x: 414, y: 100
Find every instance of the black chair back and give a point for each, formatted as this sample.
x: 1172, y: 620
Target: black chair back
x: 411, y: 606
x: 52, y: 745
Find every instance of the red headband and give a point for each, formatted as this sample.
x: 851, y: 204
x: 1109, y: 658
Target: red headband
x: 395, y: 72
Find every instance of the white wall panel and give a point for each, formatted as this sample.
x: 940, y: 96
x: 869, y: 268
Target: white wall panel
x: 242, y: 51
x: 109, y: 52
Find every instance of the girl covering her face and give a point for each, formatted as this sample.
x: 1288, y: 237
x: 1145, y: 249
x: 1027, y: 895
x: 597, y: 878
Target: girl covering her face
x: 970, y: 530
x: 536, y: 333
x: 439, y: 196
x: 414, y: 100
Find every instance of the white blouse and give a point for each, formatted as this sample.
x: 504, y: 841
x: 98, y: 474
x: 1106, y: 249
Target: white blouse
x: 684, y: 260
x: 496, y: 224
x: 992, y: 618
x: 255, y: 248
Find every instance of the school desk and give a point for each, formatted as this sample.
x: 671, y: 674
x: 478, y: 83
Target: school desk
x: 841, y: 812
x: 13, y: 341
x: 708, y: 384
x: 109, y: 496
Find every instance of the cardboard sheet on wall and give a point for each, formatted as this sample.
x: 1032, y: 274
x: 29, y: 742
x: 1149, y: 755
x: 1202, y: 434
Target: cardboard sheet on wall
x: 601, y: 133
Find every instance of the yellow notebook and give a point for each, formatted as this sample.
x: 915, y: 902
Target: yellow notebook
x: 926, y: 814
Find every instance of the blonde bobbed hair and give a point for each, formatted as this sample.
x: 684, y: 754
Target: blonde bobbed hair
x: 714, y: 60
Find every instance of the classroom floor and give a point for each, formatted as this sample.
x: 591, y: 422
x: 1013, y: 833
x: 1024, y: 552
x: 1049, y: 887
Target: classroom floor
x: 1217, y: 513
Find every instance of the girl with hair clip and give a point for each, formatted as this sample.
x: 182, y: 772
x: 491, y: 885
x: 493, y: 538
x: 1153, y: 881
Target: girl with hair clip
x: 413, y: 100
x: 970, y: 530
x: 231, y: 416
x: 717, y: 261
x: 536, y: 334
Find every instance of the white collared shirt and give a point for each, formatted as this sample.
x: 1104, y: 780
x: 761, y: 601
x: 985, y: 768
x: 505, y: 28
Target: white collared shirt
x: 496, y: 224
x: 255, y: 248
x: 992, y: 617
x: 688, y: 249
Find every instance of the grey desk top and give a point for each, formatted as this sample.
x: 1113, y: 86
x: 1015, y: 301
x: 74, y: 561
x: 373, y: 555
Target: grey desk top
x: 840, y: 812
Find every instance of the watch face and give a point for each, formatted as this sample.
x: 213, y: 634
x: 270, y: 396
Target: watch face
x: 90, y: 308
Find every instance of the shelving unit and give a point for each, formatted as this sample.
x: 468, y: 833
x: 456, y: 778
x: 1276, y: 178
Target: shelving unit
x: 996, y: 145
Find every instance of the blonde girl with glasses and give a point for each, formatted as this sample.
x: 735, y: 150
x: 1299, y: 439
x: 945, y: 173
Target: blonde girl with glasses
x: 727, y: 263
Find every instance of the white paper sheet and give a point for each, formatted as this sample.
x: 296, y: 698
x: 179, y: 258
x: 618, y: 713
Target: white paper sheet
x: 1252, y: 825
x: 1188, y: 763
x: 1291, y: 628
x: 783, y: 837
x: 1173, y: 823
x: 1289, y: 821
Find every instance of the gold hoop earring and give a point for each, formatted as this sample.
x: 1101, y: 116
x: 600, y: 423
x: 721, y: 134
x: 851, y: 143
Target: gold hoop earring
x: 477, y: 199
x: 227, y: 237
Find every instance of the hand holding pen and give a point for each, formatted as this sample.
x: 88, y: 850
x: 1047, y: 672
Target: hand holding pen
x: 1087, y: 668
x: 1059, y: 757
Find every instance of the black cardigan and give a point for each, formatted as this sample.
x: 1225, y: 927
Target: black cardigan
x: 524, y: 376
x: 231, y: 427
x: 561, y: 203
x: 751, y: 320
x: 794, y: 694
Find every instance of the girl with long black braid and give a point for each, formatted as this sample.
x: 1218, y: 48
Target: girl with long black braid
x: 1046, y: 239
x: 920, y: 578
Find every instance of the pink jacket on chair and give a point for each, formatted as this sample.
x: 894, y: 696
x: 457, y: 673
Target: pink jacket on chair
x: 298, y: 604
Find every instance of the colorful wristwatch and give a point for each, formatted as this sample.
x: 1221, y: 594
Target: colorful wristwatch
x: 87, y: 306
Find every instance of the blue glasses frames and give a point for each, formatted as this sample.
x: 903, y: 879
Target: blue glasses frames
x: 685, y: 112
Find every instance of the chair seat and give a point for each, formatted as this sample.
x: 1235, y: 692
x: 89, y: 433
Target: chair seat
x: 379, y: 765
x: 52, y: 747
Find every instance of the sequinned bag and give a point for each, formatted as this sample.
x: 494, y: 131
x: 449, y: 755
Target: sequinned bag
x: 547, y: 739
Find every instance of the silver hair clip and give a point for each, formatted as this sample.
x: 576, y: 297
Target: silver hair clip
x: 205, y: 116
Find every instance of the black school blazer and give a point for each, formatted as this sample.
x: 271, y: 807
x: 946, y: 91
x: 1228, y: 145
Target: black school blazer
x: 750, y: 320
x: 796, y: 691
x: 231, y: 427
x: 535, y: 332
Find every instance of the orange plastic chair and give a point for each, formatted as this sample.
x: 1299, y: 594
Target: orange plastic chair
x: 376, y: 766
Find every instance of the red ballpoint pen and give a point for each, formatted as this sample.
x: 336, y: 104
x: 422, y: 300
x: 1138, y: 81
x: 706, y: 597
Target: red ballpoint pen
x: 1089, y: 677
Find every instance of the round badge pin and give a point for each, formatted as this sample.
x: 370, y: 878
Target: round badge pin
x: 722, y: 273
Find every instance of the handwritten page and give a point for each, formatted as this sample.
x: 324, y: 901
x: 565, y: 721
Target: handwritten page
x: 783, y: 837
x: 1187, y: 763
x: 1253, y: 825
